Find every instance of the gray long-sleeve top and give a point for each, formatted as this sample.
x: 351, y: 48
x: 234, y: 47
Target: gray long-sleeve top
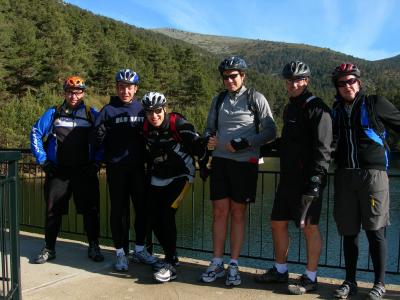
x: 235, y: 120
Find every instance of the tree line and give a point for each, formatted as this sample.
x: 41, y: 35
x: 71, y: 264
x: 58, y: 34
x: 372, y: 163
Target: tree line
x: 44, y: 41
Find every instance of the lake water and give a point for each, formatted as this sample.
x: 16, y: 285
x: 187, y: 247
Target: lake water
x: 195, y: 215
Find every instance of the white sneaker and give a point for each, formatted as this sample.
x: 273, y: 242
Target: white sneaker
x: 144, y: 257
x: 213, y: 272
x: 165, y: 274
x: 233, y: 276
x: 121, y: 263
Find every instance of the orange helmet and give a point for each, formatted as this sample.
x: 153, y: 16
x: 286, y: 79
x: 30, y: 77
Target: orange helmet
x: 74, y: 82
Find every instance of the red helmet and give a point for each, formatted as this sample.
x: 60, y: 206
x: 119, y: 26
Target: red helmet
x: 344, y: 70
x: 74, y: 82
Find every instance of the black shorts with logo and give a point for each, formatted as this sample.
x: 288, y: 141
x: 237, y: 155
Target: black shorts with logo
x: 233, y: 179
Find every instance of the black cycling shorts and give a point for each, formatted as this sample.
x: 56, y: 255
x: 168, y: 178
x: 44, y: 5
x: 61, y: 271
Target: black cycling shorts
x: 288, y: 205
x: 233, y: 179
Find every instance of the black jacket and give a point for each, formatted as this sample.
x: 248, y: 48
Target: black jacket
x: 306, y: 140
x: 353, y: 148
x: 171, y: 153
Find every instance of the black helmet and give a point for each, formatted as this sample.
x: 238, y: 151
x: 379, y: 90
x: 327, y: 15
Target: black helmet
x: 153, y: 100
x: 296, y: 69
x: 344, y: 70
x: 232, y: 63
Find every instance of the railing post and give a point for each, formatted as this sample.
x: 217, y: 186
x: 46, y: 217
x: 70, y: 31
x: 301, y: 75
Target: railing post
x: 9, y: 161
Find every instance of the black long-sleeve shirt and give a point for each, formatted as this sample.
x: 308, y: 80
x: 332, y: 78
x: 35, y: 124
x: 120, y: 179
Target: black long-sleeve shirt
x: 353, y: 148
x: 306, y: 140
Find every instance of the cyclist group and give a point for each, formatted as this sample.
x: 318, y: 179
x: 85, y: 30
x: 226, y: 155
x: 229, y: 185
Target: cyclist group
x: 150, y: 153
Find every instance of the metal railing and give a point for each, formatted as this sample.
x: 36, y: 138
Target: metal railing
x: 194, y: 219
x: 9, y: 245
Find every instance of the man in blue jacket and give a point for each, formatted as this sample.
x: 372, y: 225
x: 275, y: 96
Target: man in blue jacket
x: 118, y: 131
x: 60, y: 144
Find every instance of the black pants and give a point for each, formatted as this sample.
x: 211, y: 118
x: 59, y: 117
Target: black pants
x: 58, y: 189
x: 163, y: 215
x: 377, y: 249
x: 126, y: 183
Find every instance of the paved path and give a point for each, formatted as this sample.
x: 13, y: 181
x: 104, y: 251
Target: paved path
x: 73, y: 276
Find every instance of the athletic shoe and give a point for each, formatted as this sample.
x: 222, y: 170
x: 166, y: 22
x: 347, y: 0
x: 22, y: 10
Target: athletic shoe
x: 160, y: 263
x: 213, y: 272
x: 121, y: 263
x: 94, y: 252
x: 345, y: 290
x: 233, y: 276
x: 304, y: 285
x: 144, y: 257
x: 377, y: 292
x: 165, y: 274
x: 45, y: 255
x: 272, y: 276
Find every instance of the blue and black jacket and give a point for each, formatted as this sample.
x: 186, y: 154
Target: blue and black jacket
x: 117, y: 129
x: 61, y: 135
x: 359, y: 132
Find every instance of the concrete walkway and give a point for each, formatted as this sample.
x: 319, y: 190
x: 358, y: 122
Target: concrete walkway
x: 73, y: 276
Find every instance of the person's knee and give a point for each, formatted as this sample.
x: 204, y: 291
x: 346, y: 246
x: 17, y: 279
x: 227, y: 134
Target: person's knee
x: 220, y: 213
x: 279, y: 226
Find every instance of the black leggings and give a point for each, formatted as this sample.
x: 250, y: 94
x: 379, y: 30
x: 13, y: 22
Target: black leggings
x: 127, y: 183
x: 163, y: 215
x: 58, y: 190
x: 377, y: 249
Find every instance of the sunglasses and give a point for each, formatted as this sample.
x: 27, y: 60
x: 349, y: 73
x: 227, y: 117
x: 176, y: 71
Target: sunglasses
x: 156, y: 111
x: 230, y: 76
x: 76, y: 92
x: 343, y: 83
x: 295, y: 80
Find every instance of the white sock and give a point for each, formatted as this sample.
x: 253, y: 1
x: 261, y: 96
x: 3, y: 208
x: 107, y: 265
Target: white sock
x: 233, y: 261
x: 120, y: 251
x: 281, y: 268
x: 217, y: 260
x: 139, y: 248
x: 311, y: 275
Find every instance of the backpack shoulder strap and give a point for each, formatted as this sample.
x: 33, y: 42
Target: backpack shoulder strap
x: 308, y: 100
x: 89, y: 114
x: 220, y: 99
x: 172, y: 126
x: 145, y: 128
x: 252, y: 106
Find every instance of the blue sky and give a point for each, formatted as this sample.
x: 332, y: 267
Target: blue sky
x: 368, y: 29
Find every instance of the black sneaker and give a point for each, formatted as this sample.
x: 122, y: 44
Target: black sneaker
x: 94, y: 252
x: 304, y: 285
x: 272, y: 276
x: 345, y: 290
x: 377, y: 292
x: 45, y: 255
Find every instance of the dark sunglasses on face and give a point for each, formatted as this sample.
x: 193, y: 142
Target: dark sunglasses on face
x: 156, y: 111
x: 230, y: 76
x: 351, y: 81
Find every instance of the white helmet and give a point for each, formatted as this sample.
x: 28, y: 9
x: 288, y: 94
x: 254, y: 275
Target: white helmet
x: 153, y: 100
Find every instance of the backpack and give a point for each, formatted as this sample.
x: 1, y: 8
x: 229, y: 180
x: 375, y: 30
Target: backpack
x: 173, y: 116
x: 58, y: 108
